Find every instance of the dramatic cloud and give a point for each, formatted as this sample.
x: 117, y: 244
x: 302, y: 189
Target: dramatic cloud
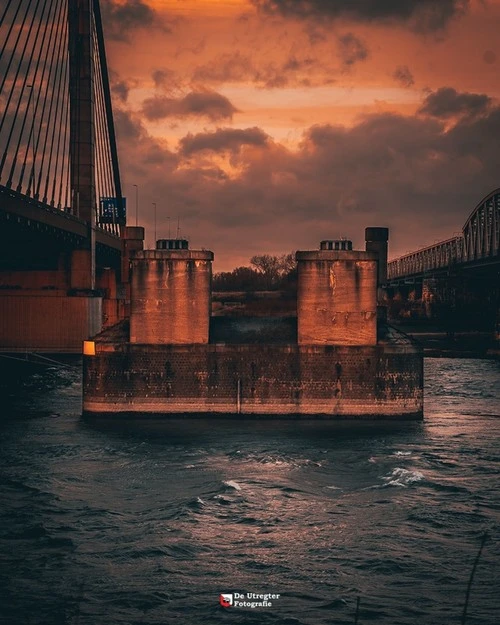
x: 274, y: 128
x: 166, y: 79
x: 121, y: 18
x: 127, y: 127
x: 420, y: 15
x: 447, y: 103
x: 227, y: 67
x: 209, y: 104
x: 351, y: 49
x: 293, y: 70
x: 403, y: 76
x: 223, y: 139
x: 409, y: 173
x: 146, y: 156
x: 119, y: 88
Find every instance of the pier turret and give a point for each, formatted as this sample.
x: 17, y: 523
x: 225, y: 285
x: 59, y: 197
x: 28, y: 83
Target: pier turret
x: 170, y: 294
x: 337, y: 295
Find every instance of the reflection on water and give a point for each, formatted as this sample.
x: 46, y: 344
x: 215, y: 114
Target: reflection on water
x: 147, y: 521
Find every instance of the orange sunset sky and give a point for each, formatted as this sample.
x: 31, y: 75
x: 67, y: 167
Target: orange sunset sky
x: 268, y: 125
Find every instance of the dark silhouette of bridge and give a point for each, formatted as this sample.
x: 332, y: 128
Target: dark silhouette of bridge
x: 63, y: 260
x: 477, y: 246
x: 457, y: 281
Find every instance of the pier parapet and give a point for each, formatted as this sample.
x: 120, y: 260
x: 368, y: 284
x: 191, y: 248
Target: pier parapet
x: 170, y: 294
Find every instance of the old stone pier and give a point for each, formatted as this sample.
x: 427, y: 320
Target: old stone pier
x: 336, y: 359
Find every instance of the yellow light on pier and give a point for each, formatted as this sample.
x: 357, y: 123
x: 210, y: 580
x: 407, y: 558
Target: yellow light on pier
x: 89, y: 348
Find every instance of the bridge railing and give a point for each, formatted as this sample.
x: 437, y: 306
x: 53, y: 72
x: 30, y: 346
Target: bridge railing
x: 437, y: 256
x: 480, y: 241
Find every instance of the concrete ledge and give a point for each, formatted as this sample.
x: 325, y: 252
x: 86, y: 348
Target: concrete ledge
x: 346, y: 409
x: 331, y: 255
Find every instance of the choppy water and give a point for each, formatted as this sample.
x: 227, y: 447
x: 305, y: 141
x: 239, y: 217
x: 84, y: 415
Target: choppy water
x: 148, y: 524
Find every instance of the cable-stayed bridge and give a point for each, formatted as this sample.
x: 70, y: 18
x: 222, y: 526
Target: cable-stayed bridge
x: 61, y: 207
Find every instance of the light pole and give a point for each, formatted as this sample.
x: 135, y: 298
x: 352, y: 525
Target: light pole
x: 154, y: 242
x: 136, y: 204
x: 168, y: 227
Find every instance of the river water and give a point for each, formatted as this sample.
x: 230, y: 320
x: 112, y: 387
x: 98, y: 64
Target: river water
x: 147, y: 523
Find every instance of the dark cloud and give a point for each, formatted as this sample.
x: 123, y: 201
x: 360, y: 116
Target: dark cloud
x: 121, y: 18
x: 166, y: 79
x: 447, y: 103
x: 119, y: 87
x: 223, y: 139
x: 420, y: 15
x: 293, y: 64
x: 127, y: 126
x: 229, y: 67
x: 403, y: 76
x: 145, y: 155
x: 209, y: 104
x: 351, y: 50
x: 237, y: 67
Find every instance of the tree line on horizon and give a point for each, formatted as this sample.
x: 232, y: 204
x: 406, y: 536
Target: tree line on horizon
x: 266, y: 272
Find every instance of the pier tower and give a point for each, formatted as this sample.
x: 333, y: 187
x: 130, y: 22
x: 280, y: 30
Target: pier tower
x: 337, y: 295
x: 170, y: 294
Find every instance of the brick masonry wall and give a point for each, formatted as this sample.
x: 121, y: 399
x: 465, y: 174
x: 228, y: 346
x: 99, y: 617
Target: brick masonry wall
x: 327, y: 381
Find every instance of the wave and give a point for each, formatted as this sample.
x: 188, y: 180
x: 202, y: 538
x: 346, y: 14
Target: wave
x: 232, y: 484
x: 402, y: 477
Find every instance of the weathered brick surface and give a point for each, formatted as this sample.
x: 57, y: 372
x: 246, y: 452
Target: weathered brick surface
x: 337, y: 298
x: 274, y: 380
x: 170, y: 297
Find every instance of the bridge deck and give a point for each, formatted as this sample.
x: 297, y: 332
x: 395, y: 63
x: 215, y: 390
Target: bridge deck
x: 36, y: 215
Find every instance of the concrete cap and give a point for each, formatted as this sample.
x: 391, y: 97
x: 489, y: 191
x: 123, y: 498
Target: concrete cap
x: 330, y: 255
x: 172, y: 255
x: 134, y: 233
x: 380, y: 235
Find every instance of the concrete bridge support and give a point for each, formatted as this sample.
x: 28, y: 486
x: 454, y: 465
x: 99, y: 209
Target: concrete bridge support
x: 52, y: 309
x: 459, y: 301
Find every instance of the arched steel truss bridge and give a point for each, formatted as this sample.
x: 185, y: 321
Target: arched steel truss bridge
x: 479, y: 243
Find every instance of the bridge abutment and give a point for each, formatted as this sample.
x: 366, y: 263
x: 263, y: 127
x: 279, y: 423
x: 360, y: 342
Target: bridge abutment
x: 55, y: 309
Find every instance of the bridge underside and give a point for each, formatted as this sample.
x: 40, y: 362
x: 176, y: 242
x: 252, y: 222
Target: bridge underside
x: 45, y: 300
x: 462, y: 298
x: 35, y: 234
